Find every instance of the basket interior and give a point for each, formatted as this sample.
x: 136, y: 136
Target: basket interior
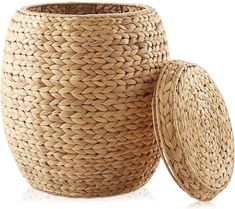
x: 84, y: 8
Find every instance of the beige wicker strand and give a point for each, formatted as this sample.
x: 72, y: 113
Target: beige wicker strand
x: 77, y: 86
x: 194, y: 130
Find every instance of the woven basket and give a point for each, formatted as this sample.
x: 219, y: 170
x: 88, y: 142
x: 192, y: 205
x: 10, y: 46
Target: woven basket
x: 77, y: 86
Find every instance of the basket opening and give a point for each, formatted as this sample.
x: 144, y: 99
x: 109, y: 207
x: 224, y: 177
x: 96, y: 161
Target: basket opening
x: 85, y: 8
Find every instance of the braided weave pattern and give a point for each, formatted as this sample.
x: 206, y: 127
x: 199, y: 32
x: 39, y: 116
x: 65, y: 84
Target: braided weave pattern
x: 77, y: 86
x: 194, y: 129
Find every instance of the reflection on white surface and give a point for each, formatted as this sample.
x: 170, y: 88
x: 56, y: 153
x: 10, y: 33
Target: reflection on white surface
x: 33, y: 194
x: 201, y: 205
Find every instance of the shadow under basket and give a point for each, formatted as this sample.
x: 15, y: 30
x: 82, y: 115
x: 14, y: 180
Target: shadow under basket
x: 77, y: 85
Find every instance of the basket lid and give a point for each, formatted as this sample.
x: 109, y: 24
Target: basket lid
x: 193, y: 128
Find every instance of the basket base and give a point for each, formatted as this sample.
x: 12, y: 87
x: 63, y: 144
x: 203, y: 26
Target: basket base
x: 84, y: 194
x: 82, y: 189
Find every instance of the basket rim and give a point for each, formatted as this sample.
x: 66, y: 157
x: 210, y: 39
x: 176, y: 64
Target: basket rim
x: 146, y: 9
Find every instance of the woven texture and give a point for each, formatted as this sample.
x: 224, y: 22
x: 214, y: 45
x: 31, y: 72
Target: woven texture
x: 77, y: 86
x: 193, y: 126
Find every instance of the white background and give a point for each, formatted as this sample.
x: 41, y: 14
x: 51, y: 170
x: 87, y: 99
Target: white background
x: 200, y: 31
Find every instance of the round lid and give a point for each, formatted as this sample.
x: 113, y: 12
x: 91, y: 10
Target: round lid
x: 194, y: 131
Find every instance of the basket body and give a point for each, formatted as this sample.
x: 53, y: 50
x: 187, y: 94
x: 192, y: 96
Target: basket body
x: 77, y: 86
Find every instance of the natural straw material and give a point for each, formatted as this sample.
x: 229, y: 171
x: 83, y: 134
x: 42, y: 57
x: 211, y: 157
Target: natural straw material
x: 77, y: 86
x: 194, y: 130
